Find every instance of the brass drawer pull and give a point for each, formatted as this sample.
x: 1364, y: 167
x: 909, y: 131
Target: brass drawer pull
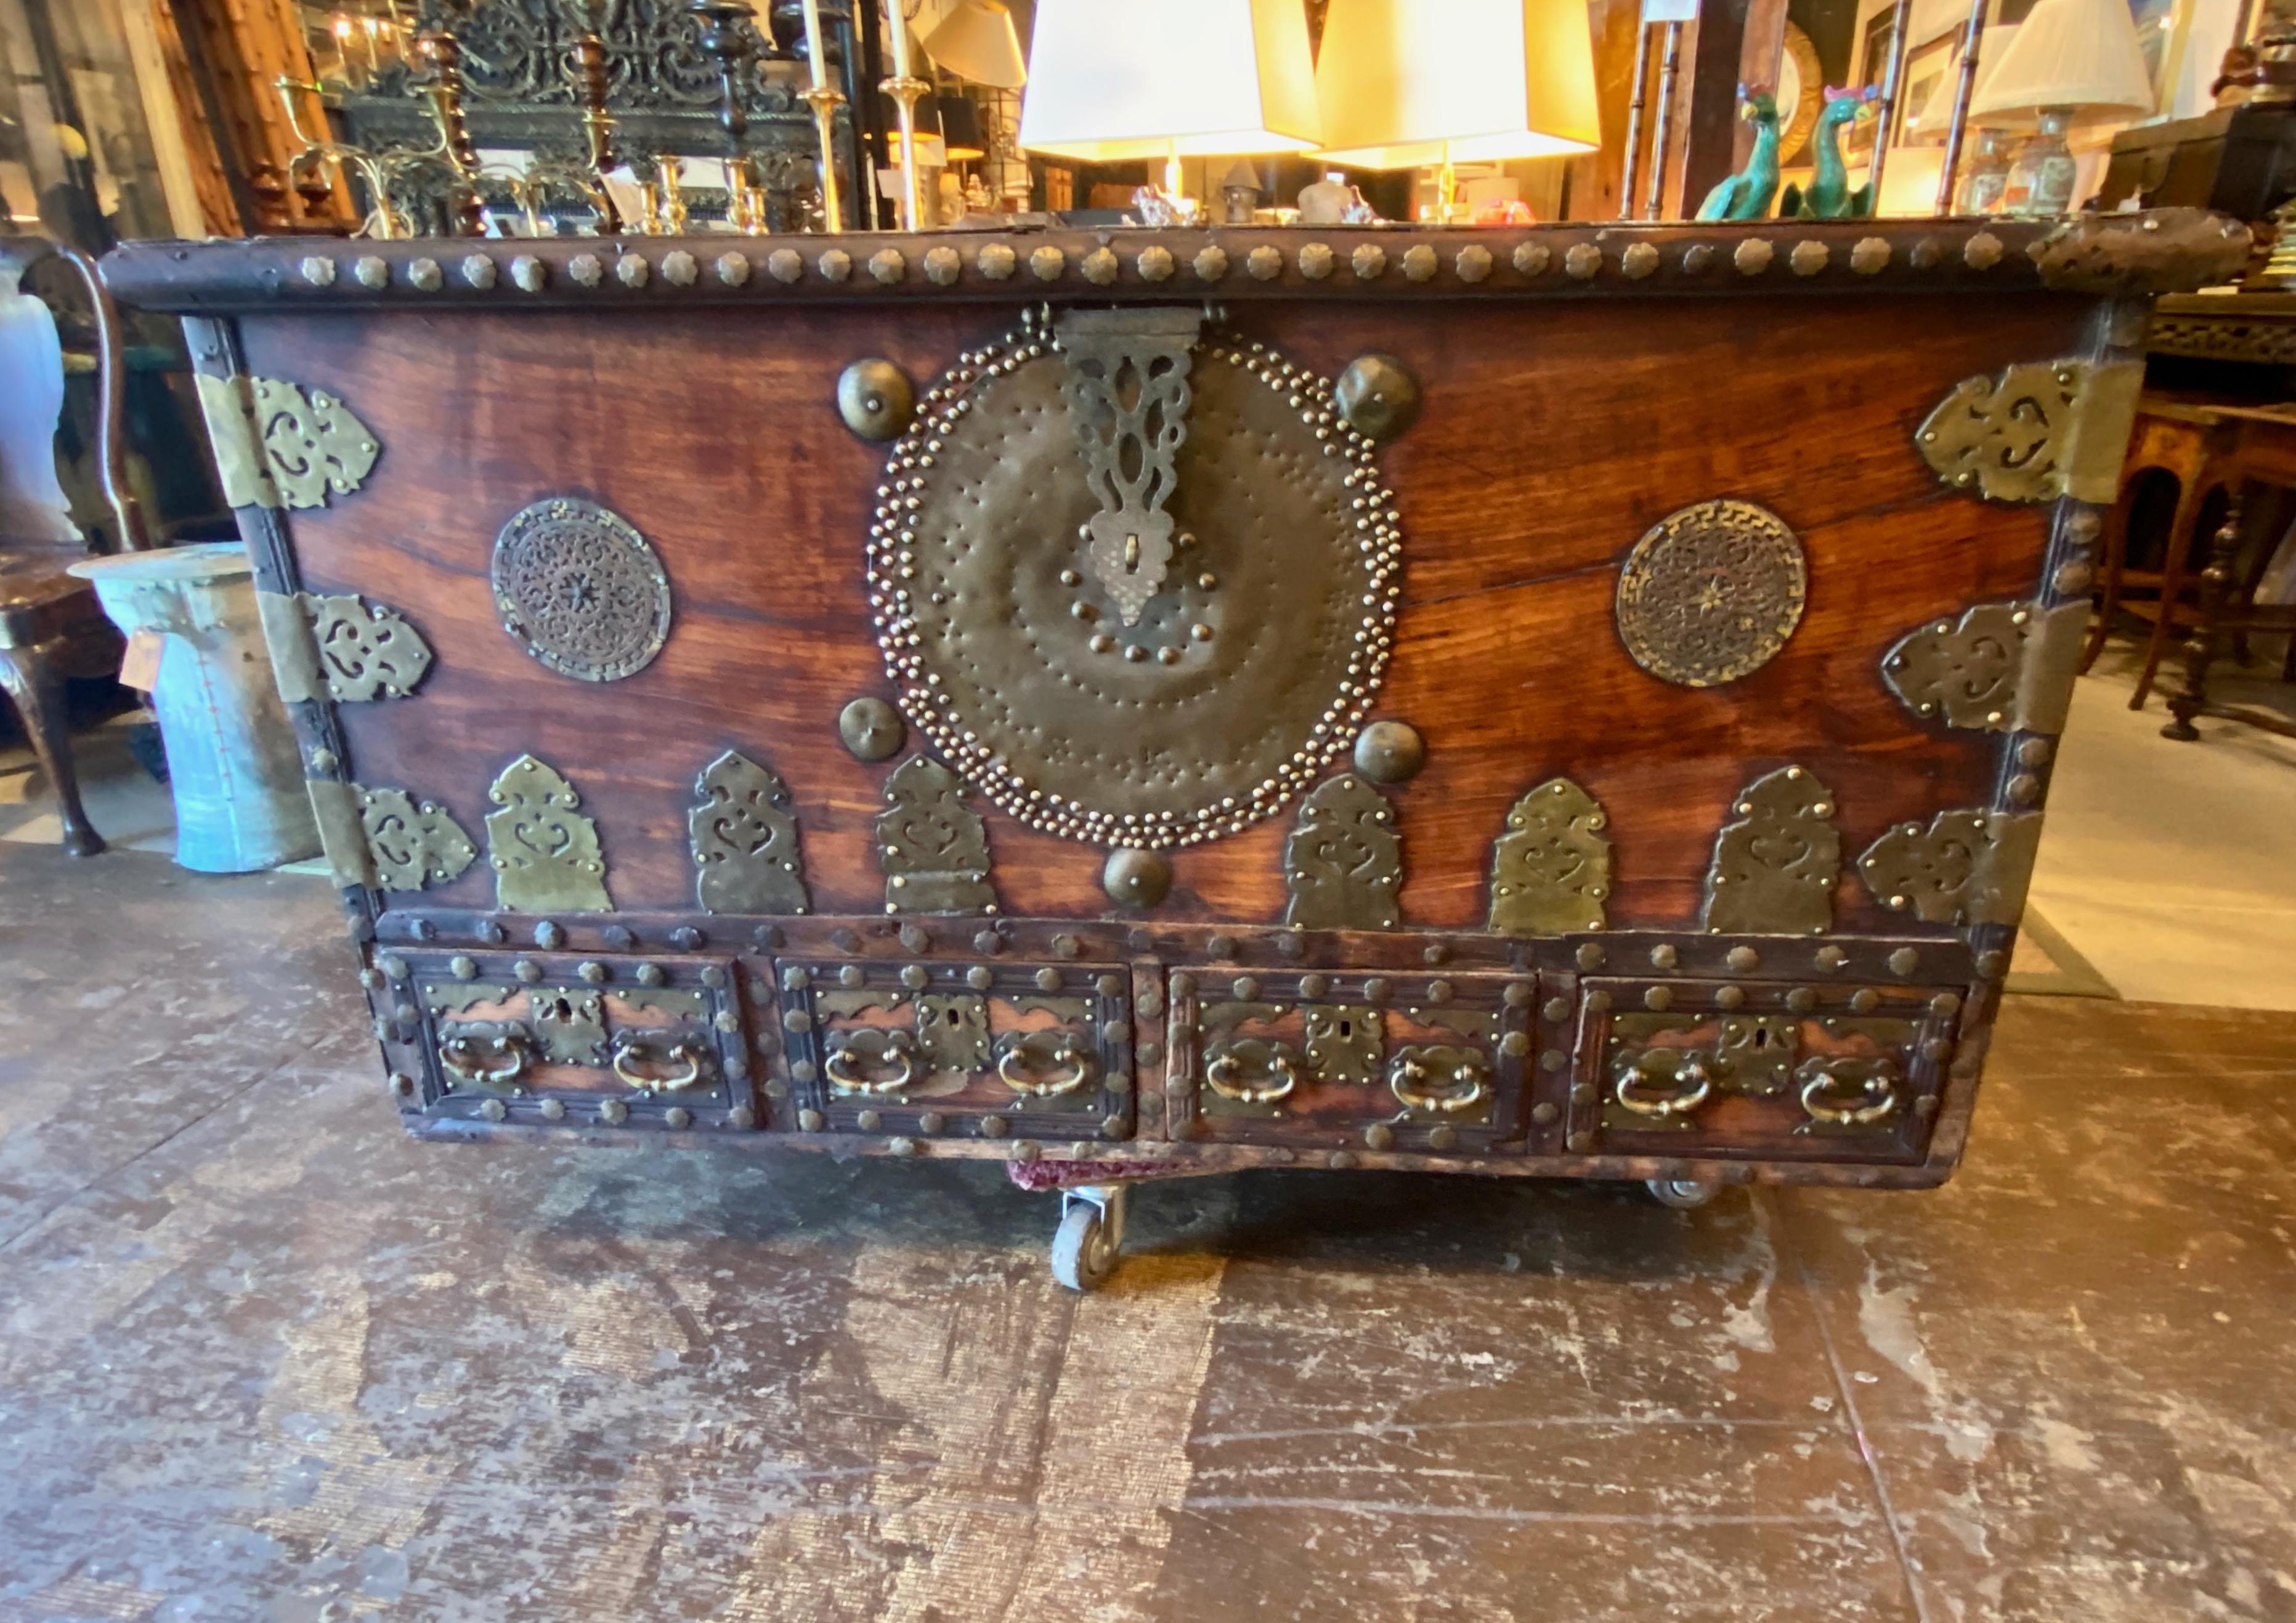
x: 1822, y: 1089
x: 1693, y: 1084
x: 485, y: 1061
x: 872, y: 1046
x: 1461, y: 1078
x: 1017, y: 1057
x: 631, y: 1051
x: 1277, y: 1063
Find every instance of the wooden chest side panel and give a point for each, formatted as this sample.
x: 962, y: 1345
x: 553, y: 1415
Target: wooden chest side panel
x: 1554, y: 434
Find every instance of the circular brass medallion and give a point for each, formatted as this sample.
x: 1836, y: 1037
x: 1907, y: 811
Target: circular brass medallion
x: 580, y: 589
x: 1158, y: 707
x: 1711, y: 592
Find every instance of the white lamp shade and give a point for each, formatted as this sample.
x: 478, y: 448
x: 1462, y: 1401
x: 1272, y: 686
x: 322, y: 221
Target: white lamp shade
x: 1112, y: 80
x: 2077, y: 53
x: 977, y: 41
x: 1405, y: 82
x: 1936, y: 113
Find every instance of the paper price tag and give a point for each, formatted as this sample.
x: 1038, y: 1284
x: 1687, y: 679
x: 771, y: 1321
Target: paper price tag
x: 1670, y: 11
x: 139, y: 667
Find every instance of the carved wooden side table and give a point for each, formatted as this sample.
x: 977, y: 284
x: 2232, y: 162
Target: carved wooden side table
x: 2252, y: 453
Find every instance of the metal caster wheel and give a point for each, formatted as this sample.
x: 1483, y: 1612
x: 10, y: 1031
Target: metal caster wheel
x: 1682, y: 1194
x: 1091, y: 1234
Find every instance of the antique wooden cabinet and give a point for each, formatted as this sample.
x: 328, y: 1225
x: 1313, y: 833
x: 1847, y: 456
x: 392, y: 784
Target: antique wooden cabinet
x: 1565, y: 702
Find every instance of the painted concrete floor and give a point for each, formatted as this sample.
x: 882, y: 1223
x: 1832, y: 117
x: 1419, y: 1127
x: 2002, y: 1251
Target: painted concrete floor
x: 263, y: 1359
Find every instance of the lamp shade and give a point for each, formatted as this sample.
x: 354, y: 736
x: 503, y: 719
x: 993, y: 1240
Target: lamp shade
x: 1936, y: 113
x: 1401, y: 81
x: 960, y: 126
x: 2077, y: 53
x: 977, y: 41
x: 1111, y: 80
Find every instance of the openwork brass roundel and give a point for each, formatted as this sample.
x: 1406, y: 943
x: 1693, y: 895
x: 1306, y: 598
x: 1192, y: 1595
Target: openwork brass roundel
x: 1711, y: 592
x: 1135, y: 581
x: 580, y: 589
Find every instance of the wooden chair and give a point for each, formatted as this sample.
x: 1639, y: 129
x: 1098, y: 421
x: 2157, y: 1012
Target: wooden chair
x: 2181, y: 439
x: 51, y: 626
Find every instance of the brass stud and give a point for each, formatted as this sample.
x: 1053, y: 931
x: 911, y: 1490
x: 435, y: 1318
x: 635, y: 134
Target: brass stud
x: 1443, y: 1137
x: 1753, y: 256
x: 372, y: 272
x: 1552, y: 1059
x: 1809, y: 257
x: 549, y: 935
x: 1698, y: 259
x: 1378, y: 989
x: 1210, y: 264
x: 1439, y: 951
x: 1589, y: 955
x: 914, y: 977
x: 1220, y: 946
x: 733, y: 268
x: 1864, y: 1000
x: 1904, y: 961
x: 1244, y: 990
x: 836, y: 265
x: 1531, y: 258
x: 526, y: 970
x: 1314, y: 985
x: 1046, y: 262
x: 1027, y: 1150
x: 1379, y: 1135
x: 613, y: 1112
x: 494, y: 1109
x: 1543, y: 1114
x: 2023, y: 789
x: 1339, y: 1160
x: 1265, y: 263
x: 1440, y: 991
x: 1730, y: 997
x: 741, y: 1117
x: 996, y: 261
x: 1154, y: 263
x: 1992, y: 964
x: 1832, y: 957
x: 1152, y: 1051
x: 1662, y: 956
x: 1870, y: 255
x: 1376, y: 395
x: 877, y: 402
x: 402, y: 1085
x: 1369, y: 262
x: 1557, y: 1009
x: 1099, y: 267
x: 1581, y: 261
x: 425, y: 276
x: 1981, y: 252
x: 943, y: 266
x: 994, y: 1127
x: 1514, y: 1045
x: 931, y: 1122
x: 1518, y: 994
x: 902, y: 1146
x: 869, y: 1121
x: 1945, y: 1005
x: 1066, y: 946
x: 677, y: 1117
x: 989, y: 941
x: 321, y: 272
x: 1315, y: 260
x: 463, y: 967
x: 1801, y: 1000
x: 1419, y: 262
x: 632, y: 270
x: 553, y: 1109
x: 979, y: 978
x: 678, y: 268
x: 591, y: 971
x: 1925, y: 254
x: 784, y: 265
x: 1473, y: 263
x: 811, y: 1121
x: 1579, y: 1144
x: 1639, y: 260
x: 1137, y: 878
x: 1048, y: 980
x: 527, y: 274
x: 392, y: 965
x: 2073, y: 578
x: 1658, y: 1000
x: 1389, y: 752
x: 915, y: 937
x: 1742, y: 959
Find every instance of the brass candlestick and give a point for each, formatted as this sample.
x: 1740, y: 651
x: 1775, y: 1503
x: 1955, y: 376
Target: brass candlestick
x: 438, y: 44
x: 825, y: 100
x: 906, y: 90
x: 381, y: 220
x: 725, y: 35
x: 590, y: 74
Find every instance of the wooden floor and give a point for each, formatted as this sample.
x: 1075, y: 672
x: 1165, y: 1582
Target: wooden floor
x: 262, y: 1358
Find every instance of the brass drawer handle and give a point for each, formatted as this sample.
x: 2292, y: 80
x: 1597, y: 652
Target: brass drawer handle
x: 631, y: 1050
x: 1017, y: 1058
x: 895, y: 1048
x: 1693, y: 1084
x: 466, y: 1060
x: 1464, y: 1080
x: 1224, y: 1072
x: 1878, y: 1088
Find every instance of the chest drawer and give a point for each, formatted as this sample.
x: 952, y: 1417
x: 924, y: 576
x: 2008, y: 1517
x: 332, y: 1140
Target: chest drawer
x: 1685, y: 1067
x: 544, y: 1037
x: 1009, y: 1048
x: 1379, y: 1060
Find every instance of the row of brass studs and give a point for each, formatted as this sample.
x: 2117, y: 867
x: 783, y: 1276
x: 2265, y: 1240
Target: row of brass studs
x: 944, y: 266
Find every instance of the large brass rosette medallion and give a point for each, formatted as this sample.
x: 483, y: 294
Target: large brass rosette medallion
x: 1135, y: 581
x: 1711, y: 592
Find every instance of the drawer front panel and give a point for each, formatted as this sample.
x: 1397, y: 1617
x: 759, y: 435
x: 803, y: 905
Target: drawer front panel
x: 1684, y: 1068
x: 544, y: 1038
x: 1386, y: 1060
x: 1020, y: 1049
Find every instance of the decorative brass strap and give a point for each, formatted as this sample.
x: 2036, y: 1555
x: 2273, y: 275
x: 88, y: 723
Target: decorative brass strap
x: 1128, y: 395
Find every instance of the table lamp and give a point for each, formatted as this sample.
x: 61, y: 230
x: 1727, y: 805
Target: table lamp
x: 2071, y: 60
x: 1987, y: 175
x: 1405, y: 83
x: 1116, y: 79
x: 977, y: 41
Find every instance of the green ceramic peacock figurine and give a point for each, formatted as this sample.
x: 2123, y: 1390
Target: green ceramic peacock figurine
x: 1746, y: 195
x: 1829, y: 197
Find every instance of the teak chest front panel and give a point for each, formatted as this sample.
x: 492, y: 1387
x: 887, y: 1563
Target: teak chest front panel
x: 1727, y: 610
